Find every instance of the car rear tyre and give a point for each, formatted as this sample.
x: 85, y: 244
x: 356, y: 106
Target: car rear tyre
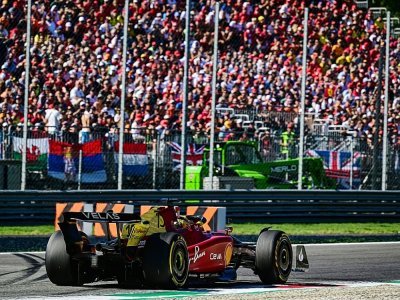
x: 166, y: 260
x: 59, y: 266
x: 273, y: 257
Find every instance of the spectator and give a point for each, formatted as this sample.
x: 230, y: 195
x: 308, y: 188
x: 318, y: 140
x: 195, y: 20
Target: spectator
x: 76, y: 95
x: 288, y: 142
x: 77, y: 54
x: 85, y: 120
x: 53, y: 118
x: 70, y: 169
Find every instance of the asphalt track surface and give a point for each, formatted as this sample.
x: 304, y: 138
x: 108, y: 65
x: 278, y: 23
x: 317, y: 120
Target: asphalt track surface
x: 23, y: 275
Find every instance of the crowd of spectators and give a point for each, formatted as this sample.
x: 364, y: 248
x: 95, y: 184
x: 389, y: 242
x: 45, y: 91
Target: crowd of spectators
x: 76, y: 55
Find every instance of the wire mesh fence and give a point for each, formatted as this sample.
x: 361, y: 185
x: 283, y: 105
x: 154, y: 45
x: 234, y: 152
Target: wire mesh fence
x: 75, y: 91
x: 152, y: 159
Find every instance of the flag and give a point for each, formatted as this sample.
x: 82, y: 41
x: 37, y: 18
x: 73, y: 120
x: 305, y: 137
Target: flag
x: 338, y: 164
x: 36, y: 152
x: 64, y: 162
x: 134, y: 159
x: 194, y: 154
x: 93, y: 169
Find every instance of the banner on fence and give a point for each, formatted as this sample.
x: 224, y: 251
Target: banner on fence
x: 93, y: 169
x: 134, y: 159
x: 64, y: 162
x: 36, y: 152
x: 338, y: 165
x: 194, y: 154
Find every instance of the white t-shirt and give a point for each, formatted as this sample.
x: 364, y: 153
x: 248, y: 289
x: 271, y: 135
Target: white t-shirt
x: 53, y: 118
x: 76, y: 95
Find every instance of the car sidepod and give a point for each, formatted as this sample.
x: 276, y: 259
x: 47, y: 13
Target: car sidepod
x: 210, y: 256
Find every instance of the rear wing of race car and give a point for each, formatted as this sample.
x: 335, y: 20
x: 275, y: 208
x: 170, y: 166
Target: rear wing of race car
x: 71, y: 232
x: 95, y: 217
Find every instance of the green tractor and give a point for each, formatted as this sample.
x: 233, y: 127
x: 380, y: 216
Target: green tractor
x: 238, y: 164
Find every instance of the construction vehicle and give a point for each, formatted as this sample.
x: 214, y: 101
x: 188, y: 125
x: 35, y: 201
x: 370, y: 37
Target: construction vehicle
x: 239, y: 165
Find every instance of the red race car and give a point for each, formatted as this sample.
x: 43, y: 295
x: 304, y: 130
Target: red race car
x: 164, y: 249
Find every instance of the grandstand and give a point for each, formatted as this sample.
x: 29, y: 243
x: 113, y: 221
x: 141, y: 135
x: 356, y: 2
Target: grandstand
x: 76, y: 71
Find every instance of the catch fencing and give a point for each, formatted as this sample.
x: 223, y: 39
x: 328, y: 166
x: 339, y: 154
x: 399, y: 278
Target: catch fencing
x: 81, y: 68
x: 163, y: 161
x: 283, y: 206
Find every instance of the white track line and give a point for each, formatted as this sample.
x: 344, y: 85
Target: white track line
x: 212, y: 293
x: 32, y: 252
x: 355, y: 244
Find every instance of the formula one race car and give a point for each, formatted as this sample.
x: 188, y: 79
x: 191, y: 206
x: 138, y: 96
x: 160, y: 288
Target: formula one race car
x: 164, y: 249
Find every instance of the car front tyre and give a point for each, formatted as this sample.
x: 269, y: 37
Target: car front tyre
x: 274, y: 255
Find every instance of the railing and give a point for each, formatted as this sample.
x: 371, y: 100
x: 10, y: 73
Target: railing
x: 161, y: 172
x: 394, y: 22
x: 396, y: 33
x: 283, y: 206
x: 362, y: 4
x: 378, y: 11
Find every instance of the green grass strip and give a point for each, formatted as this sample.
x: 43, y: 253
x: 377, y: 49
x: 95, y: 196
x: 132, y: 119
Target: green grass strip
x: 322, y: 228
x: 254, y: 229
x: 27, y: 230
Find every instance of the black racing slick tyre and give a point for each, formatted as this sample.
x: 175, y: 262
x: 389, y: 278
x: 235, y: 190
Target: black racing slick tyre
x: 59, y: 267
x: 165, y: 260
x: 273, y: 257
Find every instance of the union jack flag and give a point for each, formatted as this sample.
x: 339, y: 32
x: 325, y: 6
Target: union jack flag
x: 194, y: 154
x: 338, y: 164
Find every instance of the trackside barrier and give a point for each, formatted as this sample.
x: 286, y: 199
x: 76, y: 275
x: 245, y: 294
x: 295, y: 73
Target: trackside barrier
x: 267, y: 206
x: 86, y: 227
x: 145, y: 208
x: 100, y: 229
x: 216, y: 216
x: 95, y: 229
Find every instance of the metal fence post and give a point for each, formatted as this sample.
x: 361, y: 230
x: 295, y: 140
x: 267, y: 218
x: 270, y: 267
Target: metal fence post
x: 26, y: 96
x: 386, y: 103
x: 303, y: 96
x: 214, y: 91
x: 123, y: 96
x: 185, y: 96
